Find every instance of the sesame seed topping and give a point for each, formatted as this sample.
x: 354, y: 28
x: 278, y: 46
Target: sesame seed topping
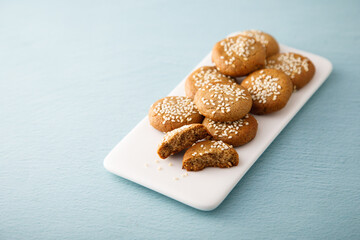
x: 239, y: 46
x: 264, y: 86
x: 210, y: 147
x: 258, y: 35
x: 220, y: 145
x: 159, y: 168
x: 225, y: 129
x: 289, y: 64
x: 176, y: 178
x: 157, y: 161
x: 222, y: 96
x: 175, y: 109
x: 170, y: 164
x: 211, y: 75
x: 146, y: 165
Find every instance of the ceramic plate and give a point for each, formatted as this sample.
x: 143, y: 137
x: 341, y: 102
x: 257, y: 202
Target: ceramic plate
x: 135, y: 158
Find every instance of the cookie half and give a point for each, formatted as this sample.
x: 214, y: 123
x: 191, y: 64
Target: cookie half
x: 181, y: 138
x: 204, y: 76
x: 268, y: 41
x: 210, y: 154
x: 238, y: 55
x: 173, y: 112
x: 223, y: 103
x: 299, y: 68
x: 270, y: 90
x: 236, y: 133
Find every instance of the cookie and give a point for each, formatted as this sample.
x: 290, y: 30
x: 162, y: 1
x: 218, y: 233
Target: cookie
x: 181, y: 138
x: 238, y: 55
x: 173, y: 112
x: 204, y: 76
x: 210, y: 154
x: 299, y: 68
x: 268, y: 41
x: 236, y: 133
x: 270, y: 90
x: 223, y: 103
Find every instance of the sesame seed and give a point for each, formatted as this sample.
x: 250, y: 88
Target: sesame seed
x: 258, y: 35
x: 225, y: 129
x: 223, y: 96
x: 289, y: 64
x: 176, y: 178
x: 239, y: 46
x: 264, y: 86
x: 220, y: 145
x: 159, y: 168
x: 170, y: 164
x: 175, y: 109
x: 211, y: 75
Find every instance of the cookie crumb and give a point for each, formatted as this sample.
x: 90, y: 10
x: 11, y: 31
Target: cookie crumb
x: 184, y: 174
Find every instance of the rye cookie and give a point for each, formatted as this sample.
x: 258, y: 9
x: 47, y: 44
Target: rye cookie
x: 238, y: 55
x: 223, y: 103
x: 270, y: 90
x: 203, y: 76
x: 173, y: 112
x: 299, y: 68
x: 268, y: 41
x: 236, y: 133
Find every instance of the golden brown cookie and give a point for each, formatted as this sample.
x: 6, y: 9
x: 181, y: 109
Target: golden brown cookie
x: 204, y: 76
x: 299, y: 68
x: 223, y: 103
x: 181, y: 138
x: 236, y: 133
x: 173, y: 112
x: 268, y: 41
x: 238, y: 55
x: 270, y: 90
x: 210, y: 154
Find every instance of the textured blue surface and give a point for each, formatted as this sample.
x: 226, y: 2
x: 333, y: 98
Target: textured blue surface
x: 75, y: 77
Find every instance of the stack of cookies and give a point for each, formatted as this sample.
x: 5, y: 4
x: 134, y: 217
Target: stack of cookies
x: 216, y: 114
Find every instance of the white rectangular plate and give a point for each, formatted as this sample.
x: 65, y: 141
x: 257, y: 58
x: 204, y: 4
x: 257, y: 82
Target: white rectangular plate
x: 135, y: 157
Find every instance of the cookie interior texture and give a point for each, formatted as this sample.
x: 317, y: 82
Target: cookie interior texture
x: 210, y: 154
x: 181, y: 138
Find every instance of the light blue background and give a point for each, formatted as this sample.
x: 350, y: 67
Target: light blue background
x: 75, y: 77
